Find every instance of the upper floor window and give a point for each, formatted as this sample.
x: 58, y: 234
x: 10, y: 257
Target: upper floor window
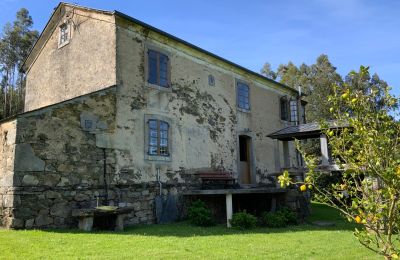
x: 293, y: 111
x: 243, y: 96
x: 65, y: 35
x: 211, y: 80
x: 284, y: 108
x: 158, y: 73
x: 158, y: 137
x: 303, y: 112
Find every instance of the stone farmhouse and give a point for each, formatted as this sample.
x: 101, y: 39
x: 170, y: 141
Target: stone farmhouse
x: 118, y: 112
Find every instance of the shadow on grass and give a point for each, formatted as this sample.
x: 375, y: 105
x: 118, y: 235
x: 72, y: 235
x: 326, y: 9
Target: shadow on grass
x: 184, y: 229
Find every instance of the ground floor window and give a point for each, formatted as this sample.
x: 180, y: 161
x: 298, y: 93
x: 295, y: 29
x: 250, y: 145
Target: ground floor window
x: 158, y: 137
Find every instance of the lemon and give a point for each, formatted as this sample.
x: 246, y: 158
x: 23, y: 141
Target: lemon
x: 358, y: 219
x: 303, y: 188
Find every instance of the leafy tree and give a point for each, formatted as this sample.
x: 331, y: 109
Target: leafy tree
x: 15, y: 43
x: 268, y: 72
x: 315, y: 81
x: 368, y: 151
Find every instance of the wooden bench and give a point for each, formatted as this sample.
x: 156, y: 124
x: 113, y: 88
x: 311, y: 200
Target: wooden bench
x: 216, y: 179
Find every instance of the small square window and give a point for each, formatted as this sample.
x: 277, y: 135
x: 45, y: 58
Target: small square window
x: 88, y: 124
x: 211, y: 80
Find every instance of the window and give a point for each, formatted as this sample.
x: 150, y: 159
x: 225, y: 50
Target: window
x: 211, y: 80
x: 88, y: 124
x: 64, y: 35
x: 158, y: 69
x: 293, y: 111
x: 158, y: 137
x: 303, y: 112
x: 284, y: 108
x: 243, y: 96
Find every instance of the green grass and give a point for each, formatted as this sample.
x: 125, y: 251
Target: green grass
x: 182, y: 241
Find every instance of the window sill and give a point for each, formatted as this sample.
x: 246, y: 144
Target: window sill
x: 159, y: 88
x: 63, y: 44
x: 158, y: 158
x: 244, y: 110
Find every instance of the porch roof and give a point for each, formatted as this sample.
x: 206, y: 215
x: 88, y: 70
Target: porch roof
x: 304, y: 131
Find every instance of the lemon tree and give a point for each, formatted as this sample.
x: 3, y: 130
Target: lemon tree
x: 367, y: 151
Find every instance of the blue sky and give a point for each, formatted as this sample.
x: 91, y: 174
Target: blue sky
x: 250, y: 33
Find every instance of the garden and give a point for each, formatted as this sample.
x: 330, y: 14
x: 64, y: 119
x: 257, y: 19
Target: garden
x: 184, y: 240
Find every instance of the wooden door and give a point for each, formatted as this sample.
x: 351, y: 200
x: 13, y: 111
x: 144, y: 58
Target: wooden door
x: 244, y: 159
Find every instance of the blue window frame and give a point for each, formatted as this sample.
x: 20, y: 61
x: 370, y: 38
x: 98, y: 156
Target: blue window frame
x: 158, y: 137
x: 243, y: 96
x: 158, y: 68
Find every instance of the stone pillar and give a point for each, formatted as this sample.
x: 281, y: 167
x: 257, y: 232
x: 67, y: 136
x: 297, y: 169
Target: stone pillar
x: 119, y: 222
x: 286, y: 155
x: 229, y: 210
x: 324, y: 150
x: 277, y: 156
x: 86, y: 223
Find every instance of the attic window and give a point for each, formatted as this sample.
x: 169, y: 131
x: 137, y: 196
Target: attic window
x: 65, y: 35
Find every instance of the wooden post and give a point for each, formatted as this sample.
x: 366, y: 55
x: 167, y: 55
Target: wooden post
x: 286, y: 155
x: 229, y: 210
x: 324, y: 150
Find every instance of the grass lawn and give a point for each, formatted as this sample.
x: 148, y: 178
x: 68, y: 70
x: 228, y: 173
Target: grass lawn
x: 182, y: 241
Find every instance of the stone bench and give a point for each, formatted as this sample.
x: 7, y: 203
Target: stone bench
x: 87, y: 216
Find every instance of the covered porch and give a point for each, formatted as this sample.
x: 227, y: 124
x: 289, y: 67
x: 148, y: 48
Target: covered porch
x: 304, y: 132
x: 238, y: 199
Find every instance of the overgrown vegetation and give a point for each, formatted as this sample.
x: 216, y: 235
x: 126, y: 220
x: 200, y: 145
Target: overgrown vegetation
x: 200, y: 215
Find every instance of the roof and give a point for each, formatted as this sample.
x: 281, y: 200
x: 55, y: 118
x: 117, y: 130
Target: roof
x: 49, y: 26
x: 303, y: 131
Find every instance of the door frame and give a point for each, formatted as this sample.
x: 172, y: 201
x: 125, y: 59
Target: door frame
x: 252, y: 161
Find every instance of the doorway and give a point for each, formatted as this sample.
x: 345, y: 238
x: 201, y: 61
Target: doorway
x: 244, y: 159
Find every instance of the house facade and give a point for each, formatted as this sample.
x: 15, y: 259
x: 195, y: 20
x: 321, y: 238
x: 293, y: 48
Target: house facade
x: 114, y: 107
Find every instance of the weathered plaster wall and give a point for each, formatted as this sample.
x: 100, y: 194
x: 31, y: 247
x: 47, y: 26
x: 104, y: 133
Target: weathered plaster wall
x: 84, y: 65
x: 205, y: 121
x: 8, y: 132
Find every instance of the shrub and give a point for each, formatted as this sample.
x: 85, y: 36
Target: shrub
x: 290, y: 216
x: 243, y: 220
x: 273, y: 220
x: 199, y: 214
x: 279, y: 219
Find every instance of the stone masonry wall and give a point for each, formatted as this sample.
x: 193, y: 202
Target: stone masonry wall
x: 58, y: 167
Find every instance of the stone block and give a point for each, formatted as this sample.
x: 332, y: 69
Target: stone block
x: 52, y: 195
x: 43, y: 220
x: 81, y: 197
x: 26, y: 160
x: 61, y: 210
x: 85, y: 223
x: 30, y: 180
x: 29, y: 223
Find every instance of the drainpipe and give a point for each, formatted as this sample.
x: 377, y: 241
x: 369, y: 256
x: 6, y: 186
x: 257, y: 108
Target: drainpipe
x: 159, y: 181
x: 105, y: 175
